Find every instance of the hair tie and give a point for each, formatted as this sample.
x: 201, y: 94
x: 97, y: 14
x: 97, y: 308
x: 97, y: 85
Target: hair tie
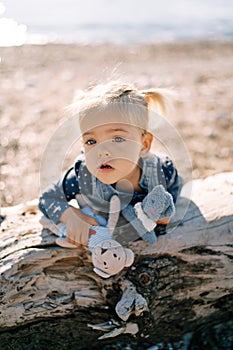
x: 126, y: 92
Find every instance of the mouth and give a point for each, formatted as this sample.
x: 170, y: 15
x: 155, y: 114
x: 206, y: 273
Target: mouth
x: 105, y: 167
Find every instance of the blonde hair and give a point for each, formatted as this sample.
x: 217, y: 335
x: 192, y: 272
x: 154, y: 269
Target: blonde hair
x: 123, y: 98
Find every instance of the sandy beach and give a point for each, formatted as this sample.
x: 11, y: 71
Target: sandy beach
x: 38, y: 82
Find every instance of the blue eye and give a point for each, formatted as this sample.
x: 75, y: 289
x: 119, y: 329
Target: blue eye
x: 90, y: 142
x: 118, y: 139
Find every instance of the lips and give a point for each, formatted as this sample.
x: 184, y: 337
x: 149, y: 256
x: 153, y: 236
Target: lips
x: 105, y: 167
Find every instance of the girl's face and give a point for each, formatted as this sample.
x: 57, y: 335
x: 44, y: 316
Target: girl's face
x: 112, y: 151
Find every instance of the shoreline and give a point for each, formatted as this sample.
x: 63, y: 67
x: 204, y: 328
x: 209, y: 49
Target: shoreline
x: 176, y: 42
x: 39, y: 81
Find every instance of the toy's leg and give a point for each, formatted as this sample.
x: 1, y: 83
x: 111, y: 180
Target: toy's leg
x: 115, y: 328
x: 131, y: 301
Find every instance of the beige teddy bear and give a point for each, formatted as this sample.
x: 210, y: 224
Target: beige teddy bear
x: 109, y: 258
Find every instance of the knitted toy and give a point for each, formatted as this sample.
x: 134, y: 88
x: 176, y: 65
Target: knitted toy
x: 158, y: 204
x: 108, y: 256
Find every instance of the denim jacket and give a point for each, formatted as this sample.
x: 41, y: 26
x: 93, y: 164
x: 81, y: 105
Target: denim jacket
x: 78, y: 183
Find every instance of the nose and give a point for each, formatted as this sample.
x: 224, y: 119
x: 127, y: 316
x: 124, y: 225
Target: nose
x: 104, y: 149
x: 103, y: 153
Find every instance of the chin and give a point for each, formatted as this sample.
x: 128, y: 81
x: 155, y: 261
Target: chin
x: 106, y: 181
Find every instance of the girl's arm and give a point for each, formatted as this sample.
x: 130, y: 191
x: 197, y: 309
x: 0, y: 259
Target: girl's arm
x: 54, y: 200
x: 54, y: 205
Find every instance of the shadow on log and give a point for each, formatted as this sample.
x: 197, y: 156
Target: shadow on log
x: 49, y: 294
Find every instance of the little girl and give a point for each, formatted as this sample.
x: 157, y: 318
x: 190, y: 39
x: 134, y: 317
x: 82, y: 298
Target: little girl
x: 116, y: 160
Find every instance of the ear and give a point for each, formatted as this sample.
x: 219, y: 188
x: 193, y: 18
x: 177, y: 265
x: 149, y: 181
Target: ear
x: 97, y: 250
x: 114, y: 211
x: 129, y: 257
x: 147, y: 139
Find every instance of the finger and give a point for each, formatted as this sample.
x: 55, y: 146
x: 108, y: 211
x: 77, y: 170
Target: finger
x: 85, y: 237
x: 62, y: 242
x: 98, y: 218
x: 72, y: 241
x: 91, y: 221
x: 73, y: 238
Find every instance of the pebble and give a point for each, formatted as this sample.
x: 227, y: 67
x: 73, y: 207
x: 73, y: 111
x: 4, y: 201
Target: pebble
x: 40, y: 110
x: 2, y: 106
x: 209, y: 132
x: 224, y: 116
x: 4, y: 141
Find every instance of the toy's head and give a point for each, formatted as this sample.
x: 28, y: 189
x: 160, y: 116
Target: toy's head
x: 109, y: 258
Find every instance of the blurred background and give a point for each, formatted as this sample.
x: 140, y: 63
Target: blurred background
x: 108, y: 21
x: 48, y: 49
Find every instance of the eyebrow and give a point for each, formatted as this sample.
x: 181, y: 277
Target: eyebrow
x: 86, y: 133
x: 111, y: 130
x: 120, y: 129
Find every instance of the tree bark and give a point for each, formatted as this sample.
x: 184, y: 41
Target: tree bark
x: 50, y: 294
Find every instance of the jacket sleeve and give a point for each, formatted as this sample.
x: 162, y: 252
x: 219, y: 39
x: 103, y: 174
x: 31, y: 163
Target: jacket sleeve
x: 173, y: 180
x: 54, y: 200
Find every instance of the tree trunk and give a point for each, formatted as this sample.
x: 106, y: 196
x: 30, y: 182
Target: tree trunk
x: 49, y: 294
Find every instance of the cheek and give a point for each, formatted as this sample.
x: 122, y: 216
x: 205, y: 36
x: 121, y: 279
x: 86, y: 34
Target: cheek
x: 91, y: 166
x: 89, y: 155
x: 90, y: 160
x: 127, y: 165
x: 131, y: 152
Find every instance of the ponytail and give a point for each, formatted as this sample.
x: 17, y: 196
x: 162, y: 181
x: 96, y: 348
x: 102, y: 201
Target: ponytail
x: 157, y: 100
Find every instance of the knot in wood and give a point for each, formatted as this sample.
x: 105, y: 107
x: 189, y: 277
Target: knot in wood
x: 144, y: 278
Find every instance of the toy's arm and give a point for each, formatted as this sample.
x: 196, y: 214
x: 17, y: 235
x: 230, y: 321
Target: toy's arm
x: 105, y: 231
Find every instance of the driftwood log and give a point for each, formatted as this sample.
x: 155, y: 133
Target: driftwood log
x: 177, y: 295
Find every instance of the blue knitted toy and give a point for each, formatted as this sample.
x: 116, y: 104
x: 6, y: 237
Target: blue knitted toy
x: 157, y: 205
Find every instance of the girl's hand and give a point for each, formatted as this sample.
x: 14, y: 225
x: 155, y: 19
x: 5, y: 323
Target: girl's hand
x: 164, y: 221
x: 78, y: 225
